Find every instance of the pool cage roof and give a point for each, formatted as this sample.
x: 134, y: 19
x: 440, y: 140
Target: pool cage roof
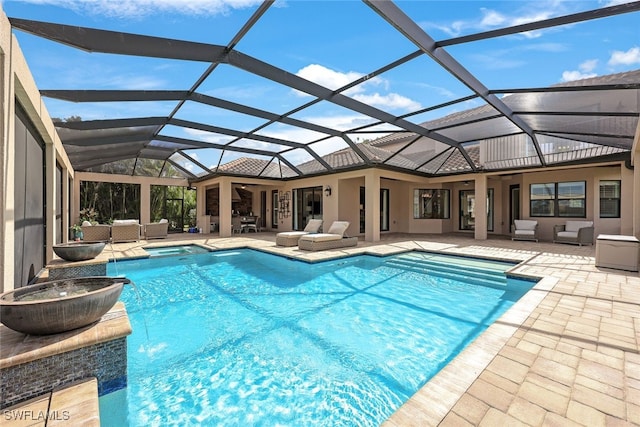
x: 206, y: 132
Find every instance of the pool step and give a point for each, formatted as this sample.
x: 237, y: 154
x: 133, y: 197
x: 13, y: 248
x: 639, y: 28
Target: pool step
x: 462, y: 273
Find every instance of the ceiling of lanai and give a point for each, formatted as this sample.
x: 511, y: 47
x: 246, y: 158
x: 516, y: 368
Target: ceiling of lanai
x: 407, y: 98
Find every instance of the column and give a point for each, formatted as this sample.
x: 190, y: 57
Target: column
x: 372, y: 206
x: 480, y: 208
x: 225, y: 208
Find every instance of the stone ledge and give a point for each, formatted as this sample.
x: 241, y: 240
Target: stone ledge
x: 18, y: 348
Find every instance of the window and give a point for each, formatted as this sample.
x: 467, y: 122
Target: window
x: 432, y: 204
x: 563, y: 199
x: 542, y: 199
x: 609, y: 199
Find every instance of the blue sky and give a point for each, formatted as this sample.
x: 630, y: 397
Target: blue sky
x: 328, y: 42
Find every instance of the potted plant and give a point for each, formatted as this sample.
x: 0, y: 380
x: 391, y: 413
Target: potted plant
x: 77, y: 232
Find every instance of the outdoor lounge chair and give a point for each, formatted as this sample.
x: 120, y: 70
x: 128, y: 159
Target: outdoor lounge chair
x: 290, y: 238
x: 156, y: 230
x: 525, y: 229
x: 125, y: 230
x: 334, y: 238
x: 576, y: 232
x: 95, y: 233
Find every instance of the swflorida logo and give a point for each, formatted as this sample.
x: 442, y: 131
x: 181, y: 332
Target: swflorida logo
x: 30, y: 415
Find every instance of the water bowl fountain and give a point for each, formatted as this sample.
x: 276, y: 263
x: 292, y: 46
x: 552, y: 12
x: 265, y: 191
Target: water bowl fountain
x: 78, y: 251
x: 60, y: 305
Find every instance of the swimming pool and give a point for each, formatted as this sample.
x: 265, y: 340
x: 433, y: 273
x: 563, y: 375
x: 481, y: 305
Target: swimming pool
x: 156, y: 251
x: 247, y: 338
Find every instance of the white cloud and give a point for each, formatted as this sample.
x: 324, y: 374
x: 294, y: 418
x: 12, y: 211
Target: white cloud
x: 632, y: 56
x: 568, y: 76
x: 490, y: 19
x: 585, y: 71
x: 142, y: 8
x: 334, y: 80
x: 329, y: 78
x: 392, y: 101
x: 588, y: 66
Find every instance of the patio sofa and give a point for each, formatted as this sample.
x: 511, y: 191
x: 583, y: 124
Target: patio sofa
x: 290, y: 238
x: 576, y: 232
x: 95, y: 233
x: 334, y: 238
x: 525, y: 229
x: 156, y: 230
x: 125, y: 230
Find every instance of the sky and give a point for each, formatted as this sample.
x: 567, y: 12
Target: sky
x: 328, y: 42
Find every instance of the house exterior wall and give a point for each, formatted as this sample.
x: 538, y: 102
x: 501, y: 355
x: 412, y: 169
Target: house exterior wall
x: 592, y: 176
x: 18, y: 86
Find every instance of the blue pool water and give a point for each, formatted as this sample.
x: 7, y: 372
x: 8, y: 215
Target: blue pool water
x: 175, y: 250
x: 247, y: 338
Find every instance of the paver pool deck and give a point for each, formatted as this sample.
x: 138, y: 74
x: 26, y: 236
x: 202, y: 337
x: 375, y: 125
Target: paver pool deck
x: 566, y: 354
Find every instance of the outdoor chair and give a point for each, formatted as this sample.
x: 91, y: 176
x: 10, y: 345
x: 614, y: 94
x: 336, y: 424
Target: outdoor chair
x: 125, y: 230
x: 236, y: 225
x: 290, y: 238
x: 255, y: 226
x: 575, y: 232
x: 95, y: 233
x: 156, y: 230
x: 525, y: 229
x: 334, y: 238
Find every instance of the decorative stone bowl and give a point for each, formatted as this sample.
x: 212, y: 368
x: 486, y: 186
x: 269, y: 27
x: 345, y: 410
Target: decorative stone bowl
x: 78, y: 251
x: 59, y: 305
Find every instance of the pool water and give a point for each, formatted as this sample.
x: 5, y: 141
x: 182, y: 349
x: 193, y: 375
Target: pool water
x: 175, y: 250
x: 248, y: 338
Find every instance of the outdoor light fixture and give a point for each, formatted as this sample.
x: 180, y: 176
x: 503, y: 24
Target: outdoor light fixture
x: 327, y: 190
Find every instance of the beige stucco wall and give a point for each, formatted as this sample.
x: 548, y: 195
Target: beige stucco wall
x: 18, y: 85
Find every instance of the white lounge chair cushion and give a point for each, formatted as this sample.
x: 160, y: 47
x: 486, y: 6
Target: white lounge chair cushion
x: 338, y: 227
x: 124, y: 221
x: 313, y: 226
x: 163, y: 220
x: 524, y: 232
x: 576, y: 225
x: 321, y: 237
x: 525, y: 224
x: 291, y: 233
x: 86, y: 224
x: 568, y: 234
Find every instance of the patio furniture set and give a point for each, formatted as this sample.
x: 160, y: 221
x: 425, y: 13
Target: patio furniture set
x: 575, y: 232
x: 124, y: 230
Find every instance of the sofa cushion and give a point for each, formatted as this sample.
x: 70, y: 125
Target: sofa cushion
x: 525, y: 233
x: 124, y: 221
x: 338, y: 227
x: 313, y: 226
x: 525, y: 224
x: 577, y: 225
x: 321, y: 237
x: 86, y: 224
x: 568, y: 234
